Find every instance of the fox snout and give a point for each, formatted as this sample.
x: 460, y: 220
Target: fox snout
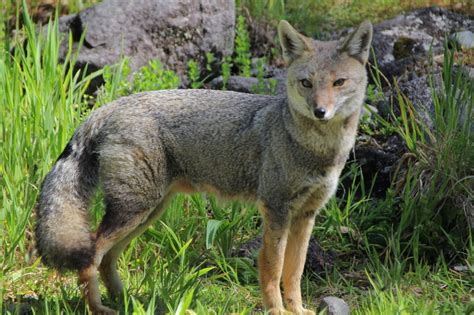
x: 323, y: 104
x: 320, y: 112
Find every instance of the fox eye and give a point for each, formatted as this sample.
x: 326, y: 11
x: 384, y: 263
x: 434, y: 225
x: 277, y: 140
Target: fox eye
x: 339, y: 82
x: 306, y: 83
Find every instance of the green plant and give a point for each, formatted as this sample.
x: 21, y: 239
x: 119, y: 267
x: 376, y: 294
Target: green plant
x: 116, y: 82
x: 154, y: 76
x: 437, y: 180
x: 194, y: 74
x: 273, y: 85
x: 226, y: 67
x: 320, y: 18
x: 42, y: 103
x: 210, y: 59
x: 151, y: 77
x: 261, y: 87
x: 242, y: 48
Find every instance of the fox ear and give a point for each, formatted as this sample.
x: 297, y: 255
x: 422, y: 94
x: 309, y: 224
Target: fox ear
x: 292, y: 43
x: 357, y: 44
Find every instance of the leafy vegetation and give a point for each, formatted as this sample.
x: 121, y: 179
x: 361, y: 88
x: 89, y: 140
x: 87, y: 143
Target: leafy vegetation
x: 148, y: 78
x: 242, y: 47
x: 395, y: 255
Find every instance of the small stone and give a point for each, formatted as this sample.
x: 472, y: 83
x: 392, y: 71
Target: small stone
x: 464, y: 39
x: 334, y: 306
x: 461, y: 268
x: 469, y: 71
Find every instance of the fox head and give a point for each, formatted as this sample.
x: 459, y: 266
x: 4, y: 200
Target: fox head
x: 326, y: 79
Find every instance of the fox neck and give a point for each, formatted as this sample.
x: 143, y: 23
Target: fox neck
x: 336, y: 136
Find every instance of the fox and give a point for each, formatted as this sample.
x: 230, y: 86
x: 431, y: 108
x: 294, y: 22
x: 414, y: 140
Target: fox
x: 283, y: 153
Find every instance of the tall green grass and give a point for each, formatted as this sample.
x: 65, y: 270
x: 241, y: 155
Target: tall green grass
x: 41, y: 104
x: 435, y: 182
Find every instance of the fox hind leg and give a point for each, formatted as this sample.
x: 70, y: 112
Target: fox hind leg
x: 134, y: 182
x: 88, y: 277
x: 108, y: 266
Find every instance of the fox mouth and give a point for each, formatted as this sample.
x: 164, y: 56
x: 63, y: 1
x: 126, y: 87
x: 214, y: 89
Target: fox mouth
x: 324, y: 120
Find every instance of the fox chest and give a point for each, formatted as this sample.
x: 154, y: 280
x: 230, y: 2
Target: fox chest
x: 313, y: 192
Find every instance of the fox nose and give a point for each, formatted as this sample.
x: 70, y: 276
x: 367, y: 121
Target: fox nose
x: 319, y: 112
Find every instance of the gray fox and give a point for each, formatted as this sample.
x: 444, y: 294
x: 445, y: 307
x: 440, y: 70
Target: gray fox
x: 283, y: 153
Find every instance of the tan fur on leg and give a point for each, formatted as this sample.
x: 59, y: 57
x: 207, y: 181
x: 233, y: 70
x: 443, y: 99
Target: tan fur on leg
x: 90, y: 285
x: 109, y: 274
x: 295, y: 257
x: 271, y: 265
x: 88, y: 278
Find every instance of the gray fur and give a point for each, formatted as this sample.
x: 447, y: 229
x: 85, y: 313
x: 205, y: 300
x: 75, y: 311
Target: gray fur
x: 145, y: 147
x: 357, y: 44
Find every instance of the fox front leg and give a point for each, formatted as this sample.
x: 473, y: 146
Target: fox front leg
x: 272, y: 253
x: 295, y: 257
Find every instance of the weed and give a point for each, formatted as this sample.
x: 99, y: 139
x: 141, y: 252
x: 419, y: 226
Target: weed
x: 42, y: 101
x: 116, y: 82
x: 154, y: 77
x: 320, y: 18
x: 436, y: 187
x: 242, y: 48
x: 261, y: 86
x: 226, y: 67
x: 194, y: 74
x: 210, y: 59
x: 148, y: 78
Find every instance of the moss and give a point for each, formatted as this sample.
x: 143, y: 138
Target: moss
x: 403, y: 47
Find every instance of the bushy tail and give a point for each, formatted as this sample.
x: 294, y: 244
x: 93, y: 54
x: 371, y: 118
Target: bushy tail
x: 63, y: 235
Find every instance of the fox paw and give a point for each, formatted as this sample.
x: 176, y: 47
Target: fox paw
x: 301, y: 311
x: 278, y: 311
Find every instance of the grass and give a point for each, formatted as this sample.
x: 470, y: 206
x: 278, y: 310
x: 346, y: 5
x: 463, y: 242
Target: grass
x: 396, y: 255
x: 318, y: 18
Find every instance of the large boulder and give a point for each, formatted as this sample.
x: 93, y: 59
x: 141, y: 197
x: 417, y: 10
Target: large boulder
x: 402, y: 44
x: 173, y: 31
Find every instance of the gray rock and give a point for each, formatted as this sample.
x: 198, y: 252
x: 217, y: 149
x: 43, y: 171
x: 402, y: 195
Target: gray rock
x: 402, y: 43
x: 249, y: 85
x: 469, y: 71
x: 172, y: 31
x: 461, y: 268
x: 334, y: 306
x: 463, y: 39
